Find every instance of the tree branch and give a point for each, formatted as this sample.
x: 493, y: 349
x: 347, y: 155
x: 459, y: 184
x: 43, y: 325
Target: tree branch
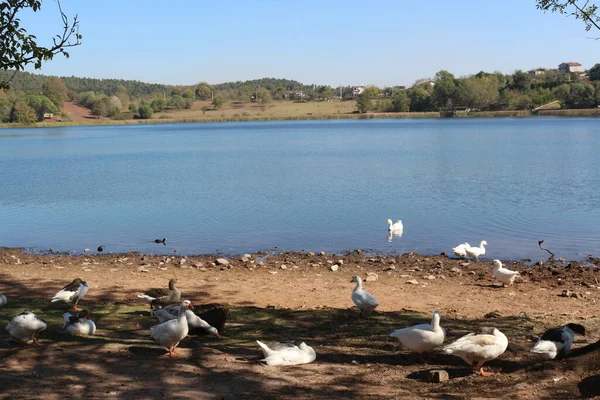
x: 543, y: 248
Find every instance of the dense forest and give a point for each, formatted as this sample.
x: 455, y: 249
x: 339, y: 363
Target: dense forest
x: 32, y: 97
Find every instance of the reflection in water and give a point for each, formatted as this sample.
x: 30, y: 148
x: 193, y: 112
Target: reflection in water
x: 397, y: 233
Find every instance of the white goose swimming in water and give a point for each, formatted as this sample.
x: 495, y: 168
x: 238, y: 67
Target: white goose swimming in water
x: 557, y: 341
x: 395, y: 227
x: 476, y: 252
x: 423, y: 337
x: 25, y: 326
x: 506, y: 276
x: 287, y: 355
x: 476, y: 349
x: 461, y: 250
x: 364, y: 300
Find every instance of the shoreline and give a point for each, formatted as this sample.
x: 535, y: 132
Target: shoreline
x: 568, y: 113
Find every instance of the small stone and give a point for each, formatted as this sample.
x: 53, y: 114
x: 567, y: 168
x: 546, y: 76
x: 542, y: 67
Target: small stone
x: 391, y: 268
x: 143, y: 269
x: 404, y: 276
x: 464, y: 264
x: 272, y: 272
x: 283, y: 266
x: 261, y: 264
x: 311, y: 254
x: 392, y: 261
x: 438, y: 375
x: 245, y: 259
x: 182, y: 261
x: 430, y: 277
x: 372, y: 277
x: 87, y: 270
x: 198, y: 265
x: 340, y: 262
x: 334, y: 267
x: 472, y: 273
x: 439, y: 264
x: 413, y: 282
x: 86, y: 250
x: 202, y: 269
x: 359, y: 251
x: 330, y: 262
x: 443, y: 254
x: 222, y: 261
x: 457, y: 270
x: 322, y: 253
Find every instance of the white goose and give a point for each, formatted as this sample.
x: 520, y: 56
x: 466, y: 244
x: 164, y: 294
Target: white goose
x: 71, y: 294
x: 79, y: 324
x: 395, y: 227
x: 288, y: 355
x: 423, y: 337
x: 461, y: 250
x: 3, y: 300
x: 557, y: 341
x: 25, y: 326
x: 506, y: 276
x: 476, y: 252
x: 194, y: 321
x: 364, y: 300
x: 476, y: 349
x: 170, y: 333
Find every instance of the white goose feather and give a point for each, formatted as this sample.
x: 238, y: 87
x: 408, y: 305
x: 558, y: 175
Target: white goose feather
x: 476, y: 349
x: 422, y: 337
x: 25, y: 326
x: 364, y: 300
x: 193, y: 320
x: 504, y: 275
x: 476, y: 252
x: 284, y: 355
x: 78, y: 324
x: 170, y: 333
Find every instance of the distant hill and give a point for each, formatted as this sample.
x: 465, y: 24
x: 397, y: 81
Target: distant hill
x: 32, y: 83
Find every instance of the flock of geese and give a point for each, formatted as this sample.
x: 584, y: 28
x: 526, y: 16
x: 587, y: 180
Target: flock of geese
x: 475, y: 348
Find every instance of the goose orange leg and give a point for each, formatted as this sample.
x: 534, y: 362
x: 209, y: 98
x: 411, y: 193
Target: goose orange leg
x: 483, y: 373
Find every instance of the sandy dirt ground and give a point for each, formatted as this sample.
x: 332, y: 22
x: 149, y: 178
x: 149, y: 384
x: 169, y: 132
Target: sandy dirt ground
x: 297, y: 297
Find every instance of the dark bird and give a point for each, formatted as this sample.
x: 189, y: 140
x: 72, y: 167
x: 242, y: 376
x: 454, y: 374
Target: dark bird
x: 557, y: 341
x: 71, y: 294
x: 160, y: 297
x: 100, y: 248
x: 163, y: 241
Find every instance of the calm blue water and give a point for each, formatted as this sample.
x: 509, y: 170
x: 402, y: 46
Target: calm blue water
x: 314, y: 185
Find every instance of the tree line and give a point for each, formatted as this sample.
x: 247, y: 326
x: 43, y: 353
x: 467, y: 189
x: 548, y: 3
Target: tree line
x: 32, y: 96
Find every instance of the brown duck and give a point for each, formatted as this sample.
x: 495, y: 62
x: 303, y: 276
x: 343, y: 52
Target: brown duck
x: 160, y: 297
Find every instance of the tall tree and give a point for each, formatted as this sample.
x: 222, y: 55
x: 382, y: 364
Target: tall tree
x: 594, y: 73
x: 54, y: 89
x: 583, y: 10
x: 444, y: 90
x: 401, y: 103
x: 203, y: 91
x: 363, y: 102
x: 19, y: 49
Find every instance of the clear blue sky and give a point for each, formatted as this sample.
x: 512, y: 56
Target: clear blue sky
x: 324, y: 42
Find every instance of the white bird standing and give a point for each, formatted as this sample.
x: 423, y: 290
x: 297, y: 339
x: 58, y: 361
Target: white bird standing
x: 461, y: 250
x: 423, y: 337
x: 476, y: 252
x: 557, y: 341
x: 364, y: 300
x: 193, y: 320
x: 71, y: 294
x: 506, y: 276
x: 79, y: 324
x: 288, y: 355
x: 25, y: 326
x: 476, y: 349
x: 3, y: 300
x: 395, y: 227
x: 170, y: 333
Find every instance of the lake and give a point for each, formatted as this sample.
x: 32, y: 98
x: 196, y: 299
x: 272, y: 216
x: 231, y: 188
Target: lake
x: 313, y: 185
